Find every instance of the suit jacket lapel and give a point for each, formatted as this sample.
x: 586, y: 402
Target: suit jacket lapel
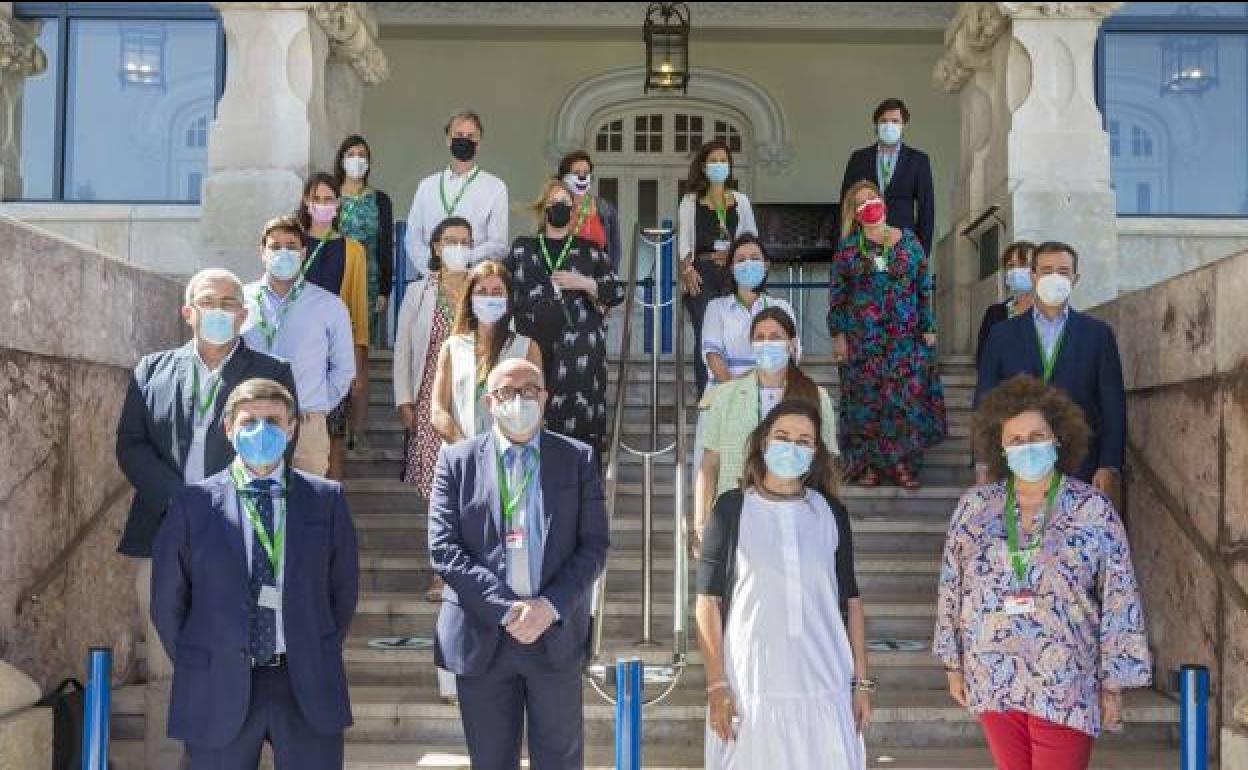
x: 225, y: 500
x: 184, y: 402
x: 298, y: 507
x: 487, y: 469
x: 1030, y: 342
x: 550, y: 487
x: 898, y: 162
x: 1070, y: 343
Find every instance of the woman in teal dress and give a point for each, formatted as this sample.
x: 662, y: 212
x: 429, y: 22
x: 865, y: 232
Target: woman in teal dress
x: 366, y: 215
x: 884, y: 337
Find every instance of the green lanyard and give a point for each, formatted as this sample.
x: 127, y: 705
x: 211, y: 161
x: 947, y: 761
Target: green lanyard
x: 1049, y: 362
x: 449, y: 208
x: 511, y: 502
x: 203, y: 406
x: 553, y: 265
x: 750, y: 308
x: 270, y: 330
x: 887, y: 169
x: 274, y: 546
x: 1020, y: 559
x: 883, y: 258
x: 721, y: 213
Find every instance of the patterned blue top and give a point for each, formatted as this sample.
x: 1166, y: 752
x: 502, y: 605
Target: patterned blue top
x: 1088, y: 626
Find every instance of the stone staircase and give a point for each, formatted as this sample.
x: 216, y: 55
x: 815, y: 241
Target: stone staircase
x: 400, y: 724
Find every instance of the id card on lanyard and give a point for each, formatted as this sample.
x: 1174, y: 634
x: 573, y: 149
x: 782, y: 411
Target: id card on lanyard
x: 1022, y: 600
x: 515, y: 533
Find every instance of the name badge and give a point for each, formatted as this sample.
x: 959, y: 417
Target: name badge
x: 1020, y: 604
x: 516, y: 540
x: 881, y: 264
x: 721, y: 245
x: 270, y: 598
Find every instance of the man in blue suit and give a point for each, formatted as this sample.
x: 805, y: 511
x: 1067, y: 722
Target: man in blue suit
x: 903, y: 173
x: 254, y: 581
x: 518, y: 531
x: 169, y: 435
x: 1070, y: 350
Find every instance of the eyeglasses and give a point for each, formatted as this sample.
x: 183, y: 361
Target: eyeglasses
x: 225, y: 303
x: 527, y: 392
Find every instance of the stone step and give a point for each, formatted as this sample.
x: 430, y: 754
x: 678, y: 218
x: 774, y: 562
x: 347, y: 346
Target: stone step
x: 402, y: 713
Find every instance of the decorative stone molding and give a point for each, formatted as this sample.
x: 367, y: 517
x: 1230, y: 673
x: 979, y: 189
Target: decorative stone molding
x: 19, y: 54
x: 968, y: 44
x: 351, y: 28
x: 1241, y: 712
x: 773, y: 145
x: 1096, y: 11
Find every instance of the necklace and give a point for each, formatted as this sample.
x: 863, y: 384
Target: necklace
x: 777, y: 495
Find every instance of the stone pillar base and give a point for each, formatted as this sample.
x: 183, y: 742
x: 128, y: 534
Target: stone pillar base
x: 1234, y: 748
x: 236, y: 206
x: 1078, y: 218
x: 26, y: 740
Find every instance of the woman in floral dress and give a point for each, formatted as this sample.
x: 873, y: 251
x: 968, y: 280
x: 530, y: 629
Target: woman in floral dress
x: 884, y: 336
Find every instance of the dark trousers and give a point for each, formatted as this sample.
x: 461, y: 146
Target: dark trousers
x: 274, y: 716
x: 715, y: 284
x: 519, y: 684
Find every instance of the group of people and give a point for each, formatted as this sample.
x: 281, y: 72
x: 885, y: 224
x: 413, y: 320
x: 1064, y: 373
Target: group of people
x: 249, y: 563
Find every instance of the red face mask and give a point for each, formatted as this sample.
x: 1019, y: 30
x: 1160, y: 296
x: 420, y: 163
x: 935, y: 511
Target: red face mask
x: 871, y: 212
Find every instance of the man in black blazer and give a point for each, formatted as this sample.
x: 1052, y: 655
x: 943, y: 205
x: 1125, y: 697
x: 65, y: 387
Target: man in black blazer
x: 170, y: 434
x: 903, y: 173
x: 1070, y: 350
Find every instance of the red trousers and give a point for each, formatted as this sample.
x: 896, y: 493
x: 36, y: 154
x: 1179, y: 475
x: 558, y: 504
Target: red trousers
x: 1020, y: 741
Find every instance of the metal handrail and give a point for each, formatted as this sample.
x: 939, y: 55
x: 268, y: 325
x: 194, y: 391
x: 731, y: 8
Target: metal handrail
x: 680, y: 578
x: 62, y: 560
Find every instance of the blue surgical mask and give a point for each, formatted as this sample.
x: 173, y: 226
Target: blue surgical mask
x: 260, y: 443
x: 788, y: 460
x: 489, y: 310
x: 749, y: 273
x: 888, y: 133
x: 1032, y: 462
x: 1018, y: 279
x: 771, y: 355
x: 216, y: 326
x: 284, y: 264
x: 718, y: 171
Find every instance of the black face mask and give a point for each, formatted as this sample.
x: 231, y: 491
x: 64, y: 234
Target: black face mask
x: 463, y: 148
x: 559, y: 214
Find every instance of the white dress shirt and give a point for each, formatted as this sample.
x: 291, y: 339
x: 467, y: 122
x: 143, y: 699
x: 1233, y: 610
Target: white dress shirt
x: 193, y: 469
x: 484, y: 205
x: 278, y: 474
x: 726, y: 330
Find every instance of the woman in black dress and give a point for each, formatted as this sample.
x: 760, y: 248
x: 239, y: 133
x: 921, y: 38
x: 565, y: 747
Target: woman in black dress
x: 560, y: 286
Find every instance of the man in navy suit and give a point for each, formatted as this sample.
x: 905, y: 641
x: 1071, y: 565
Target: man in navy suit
x: 169, y: 435
x: 1070, y: 350
x: 903, y: 173
x: 254, y: 581
x: 518, y: 531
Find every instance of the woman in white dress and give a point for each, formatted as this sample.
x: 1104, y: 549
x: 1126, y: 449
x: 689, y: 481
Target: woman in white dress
x: 787, y: 682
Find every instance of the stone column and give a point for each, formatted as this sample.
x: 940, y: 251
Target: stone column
x: 20, y: 57
x: 1032, y: 145
x: 273, y: 123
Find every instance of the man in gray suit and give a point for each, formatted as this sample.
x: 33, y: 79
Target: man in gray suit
x: 518, y: 530
x: 170, y: 434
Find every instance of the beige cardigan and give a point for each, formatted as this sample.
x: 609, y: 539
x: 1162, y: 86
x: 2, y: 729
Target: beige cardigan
x: 411, y: 346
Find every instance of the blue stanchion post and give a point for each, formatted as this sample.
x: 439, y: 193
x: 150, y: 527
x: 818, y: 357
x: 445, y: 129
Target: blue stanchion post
x: 665, y: 271
x: 1194, y: 717
x: 628, y: 695
x: 97, y: 709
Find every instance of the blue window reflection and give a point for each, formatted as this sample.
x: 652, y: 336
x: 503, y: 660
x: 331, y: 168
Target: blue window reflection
x: 37, y: 139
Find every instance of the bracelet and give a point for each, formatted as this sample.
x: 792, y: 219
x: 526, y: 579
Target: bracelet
x: 862, y: 685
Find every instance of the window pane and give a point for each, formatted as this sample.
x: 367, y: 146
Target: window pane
x: 601, y: 144
x: 648, y: 202
x: 37, y: 142
x: 137, y: 89
x: 1183, y: 10
x: 1176, y: 105
x: 609, y: 190
x: 617, y: 143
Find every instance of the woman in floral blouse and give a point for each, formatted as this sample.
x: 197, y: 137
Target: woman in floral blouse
x: 884, y: 336
x: 1039, y: 621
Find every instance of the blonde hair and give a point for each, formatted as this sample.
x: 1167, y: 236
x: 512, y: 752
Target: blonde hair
x: 538, y: 207
x: 849, y: 223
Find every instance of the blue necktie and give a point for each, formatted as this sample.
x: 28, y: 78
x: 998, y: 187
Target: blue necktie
x: 263, y: 635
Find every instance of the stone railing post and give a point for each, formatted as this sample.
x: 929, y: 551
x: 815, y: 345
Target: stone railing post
x: 20, y: 58
x: 278, y: 118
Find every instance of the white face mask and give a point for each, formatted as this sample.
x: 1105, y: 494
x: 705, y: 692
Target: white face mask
x: 489, y: 310
x: 456, y: 256
x: 517, y: 417
x: 1054, y: 289
x: 356, y: 167
x: 578, y: 184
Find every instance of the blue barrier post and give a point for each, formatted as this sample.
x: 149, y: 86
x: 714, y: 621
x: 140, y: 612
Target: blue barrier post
x: 1194, y: 717
x: 97, y: 709
x: 665, y: 272
x: 628, y: 694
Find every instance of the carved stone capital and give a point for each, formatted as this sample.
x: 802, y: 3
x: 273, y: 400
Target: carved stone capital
x: 351, y: 28
x: 1090, y: 11
x: 1241, y: 712
x: 968, y: 44
x: 19, y: 54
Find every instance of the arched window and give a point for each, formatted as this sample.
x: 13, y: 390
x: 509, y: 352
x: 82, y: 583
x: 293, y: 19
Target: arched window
x: 197, y: 133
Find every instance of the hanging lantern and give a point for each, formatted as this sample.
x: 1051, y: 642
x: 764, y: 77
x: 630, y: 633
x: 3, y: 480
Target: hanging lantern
x: 1189, y: 63
x: 666, y: 33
